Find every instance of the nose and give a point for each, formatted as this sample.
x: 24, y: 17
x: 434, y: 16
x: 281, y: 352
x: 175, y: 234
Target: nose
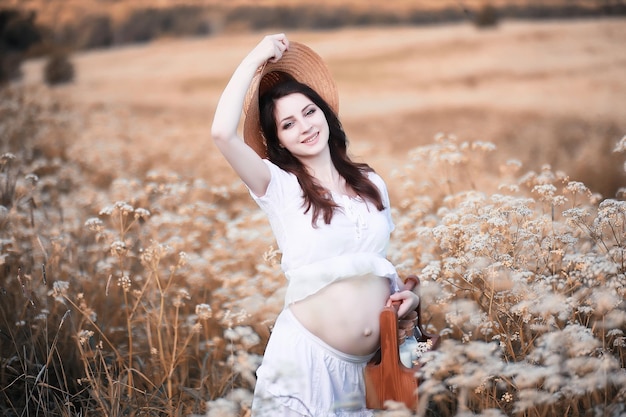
x: 305, y: 125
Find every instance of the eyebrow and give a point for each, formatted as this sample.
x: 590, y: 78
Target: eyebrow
x: 303, y: 110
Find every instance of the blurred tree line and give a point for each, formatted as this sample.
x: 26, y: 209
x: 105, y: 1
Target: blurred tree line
x: 22, y: 36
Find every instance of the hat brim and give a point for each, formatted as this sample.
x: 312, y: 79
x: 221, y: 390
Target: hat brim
x: 301, y: 63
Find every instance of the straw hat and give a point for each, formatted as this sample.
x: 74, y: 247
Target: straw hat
x: 299, y: 62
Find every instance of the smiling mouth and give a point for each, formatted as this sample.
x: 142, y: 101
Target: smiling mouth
x: 310, y: 138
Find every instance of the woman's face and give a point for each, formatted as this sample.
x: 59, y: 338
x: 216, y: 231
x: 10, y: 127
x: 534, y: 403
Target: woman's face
x: 301, y: 125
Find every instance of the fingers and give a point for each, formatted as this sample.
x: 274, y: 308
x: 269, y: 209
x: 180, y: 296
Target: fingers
x: 280, y: 44
x: 271, y: 48
x: 408, y: 301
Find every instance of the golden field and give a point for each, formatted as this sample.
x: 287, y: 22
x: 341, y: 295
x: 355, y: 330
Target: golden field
x: 545, y: 93
x: 140, y: 279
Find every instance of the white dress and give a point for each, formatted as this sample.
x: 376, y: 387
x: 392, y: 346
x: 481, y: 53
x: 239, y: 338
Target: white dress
x: 300, y: 373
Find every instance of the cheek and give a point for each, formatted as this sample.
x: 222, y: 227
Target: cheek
x: 285, y: 137
x: 320, y: 120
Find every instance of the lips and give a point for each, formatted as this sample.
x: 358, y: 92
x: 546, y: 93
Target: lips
x: 311, y: 138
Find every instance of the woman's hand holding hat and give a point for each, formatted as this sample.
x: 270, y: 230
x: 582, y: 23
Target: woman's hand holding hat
x: 270, y: 49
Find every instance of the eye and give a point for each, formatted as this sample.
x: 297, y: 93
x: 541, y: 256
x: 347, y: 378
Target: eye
x: 310, y: 111
x: 287, y: 125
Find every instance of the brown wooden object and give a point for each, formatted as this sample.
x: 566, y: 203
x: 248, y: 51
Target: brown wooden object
x: 386, y: 378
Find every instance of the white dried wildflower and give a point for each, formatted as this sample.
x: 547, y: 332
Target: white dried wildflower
x: 604, y: 301
x: 611, y: 212
x: 153, y: 254
x: 124, y: 208
x: 141, y: 213
x: 451, y: 158
x: 94, y: 224
x: 32, y: 178
x: 41, y: 316
x: 511, y: 188
x: 106, y: 211
x: 523, y: 211
x: 59, y: 290
x: 124, y: 282
x: 507, y: 397
x: 118, y: 248
x: 576, y: 216
x: 231, y: 334
x: 479, y: 243
x: 84, y: 336
x: 271, y: 256
x: 514, y: 163
x: 183, y: 258
x: 577, y: 187
x: 241, y: 316
x: 421, y: 348
x: 559, y: 200
x: 480, y: 388
x: 7, y: 157
x: 531, y: 398
x: 247, y: 336
x: 204, y: 311
x: 440, y: 137
x: 483, y: 146
x: 545, y: 190
x: 621, y: 145
x: 245, y: 364
x: 222, y: 407
x: 180, y: 297
x: 154, y: 351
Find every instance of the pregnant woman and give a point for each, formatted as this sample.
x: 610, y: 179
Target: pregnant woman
x: 331, y: 220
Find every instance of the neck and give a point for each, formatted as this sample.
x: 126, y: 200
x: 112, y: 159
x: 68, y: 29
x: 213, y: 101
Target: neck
x: 326, y: 175
x: 321, y: 167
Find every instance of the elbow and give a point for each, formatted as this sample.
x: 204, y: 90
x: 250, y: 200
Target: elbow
x: 220, y: 135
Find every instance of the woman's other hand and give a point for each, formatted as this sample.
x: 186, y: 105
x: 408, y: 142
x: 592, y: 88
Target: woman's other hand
x: 405, y: 301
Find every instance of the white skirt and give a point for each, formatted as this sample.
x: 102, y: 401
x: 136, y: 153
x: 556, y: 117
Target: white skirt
x: 301, y: 375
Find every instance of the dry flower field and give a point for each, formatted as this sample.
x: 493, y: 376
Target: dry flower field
x: 139, y: 279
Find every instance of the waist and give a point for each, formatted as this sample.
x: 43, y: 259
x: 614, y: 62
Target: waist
x: 345, y: 314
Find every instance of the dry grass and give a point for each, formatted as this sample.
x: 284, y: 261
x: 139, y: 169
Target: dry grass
x: 139, y: 279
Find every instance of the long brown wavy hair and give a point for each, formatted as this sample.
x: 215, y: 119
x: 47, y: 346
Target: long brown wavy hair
x: 316, y: 197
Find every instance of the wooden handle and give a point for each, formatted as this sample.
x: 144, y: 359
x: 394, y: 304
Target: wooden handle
x: 389, y: 379
x: 386, y: 378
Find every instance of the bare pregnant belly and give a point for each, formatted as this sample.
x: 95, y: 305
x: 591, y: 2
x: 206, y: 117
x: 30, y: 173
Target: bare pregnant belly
x: 346, y: 314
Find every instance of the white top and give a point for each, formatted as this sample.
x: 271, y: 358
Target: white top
x: 354, y: 244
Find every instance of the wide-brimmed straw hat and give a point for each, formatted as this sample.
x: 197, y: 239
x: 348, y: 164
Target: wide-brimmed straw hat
x: 300, y: 63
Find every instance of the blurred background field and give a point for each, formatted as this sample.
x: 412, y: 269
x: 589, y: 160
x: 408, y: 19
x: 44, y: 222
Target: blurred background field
x: 551, y: 91
x: 543, y: 81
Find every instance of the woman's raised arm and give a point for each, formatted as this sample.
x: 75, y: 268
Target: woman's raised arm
x: 244, y: 160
